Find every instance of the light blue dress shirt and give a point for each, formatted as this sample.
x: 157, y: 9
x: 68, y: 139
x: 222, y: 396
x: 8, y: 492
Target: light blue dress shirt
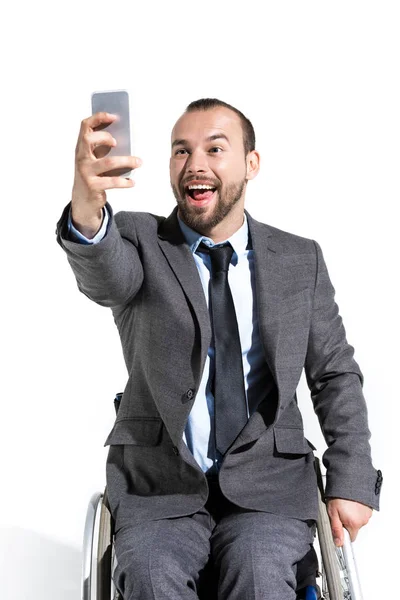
x: 199, y: 432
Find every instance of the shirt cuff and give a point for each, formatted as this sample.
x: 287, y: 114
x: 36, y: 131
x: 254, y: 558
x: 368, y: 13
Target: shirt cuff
x: 76, y: 236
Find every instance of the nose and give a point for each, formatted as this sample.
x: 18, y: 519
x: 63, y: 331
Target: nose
x: 196, y: 162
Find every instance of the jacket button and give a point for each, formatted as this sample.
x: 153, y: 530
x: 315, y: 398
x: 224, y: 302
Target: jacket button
x: 175, y: 450
x: 189, y: 394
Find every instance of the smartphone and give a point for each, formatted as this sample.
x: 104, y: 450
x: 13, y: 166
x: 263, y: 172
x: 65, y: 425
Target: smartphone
x: 115, y: 102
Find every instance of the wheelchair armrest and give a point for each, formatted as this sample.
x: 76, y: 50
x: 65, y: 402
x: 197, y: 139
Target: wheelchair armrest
x: 117, y: 401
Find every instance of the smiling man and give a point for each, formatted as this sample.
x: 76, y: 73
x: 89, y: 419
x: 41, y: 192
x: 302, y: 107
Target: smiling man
x: 218, y: 314
x: 210, y: 165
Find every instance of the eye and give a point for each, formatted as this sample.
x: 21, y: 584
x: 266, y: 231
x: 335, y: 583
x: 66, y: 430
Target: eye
x: 180, y: 151
x: 215, y: 150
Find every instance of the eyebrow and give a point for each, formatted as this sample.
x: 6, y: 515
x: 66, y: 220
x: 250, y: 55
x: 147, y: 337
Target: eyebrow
x: 211, y: 138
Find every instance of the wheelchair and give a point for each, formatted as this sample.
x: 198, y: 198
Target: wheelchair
x: 330, y: 573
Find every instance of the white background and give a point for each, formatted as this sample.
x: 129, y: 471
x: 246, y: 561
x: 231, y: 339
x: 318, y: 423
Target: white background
x: 320, y: 82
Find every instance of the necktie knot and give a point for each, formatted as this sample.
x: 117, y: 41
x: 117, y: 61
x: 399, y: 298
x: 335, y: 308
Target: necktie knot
x: 220, y: 256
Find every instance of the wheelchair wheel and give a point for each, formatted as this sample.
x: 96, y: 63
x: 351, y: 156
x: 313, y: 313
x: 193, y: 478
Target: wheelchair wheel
x: 104, y: 554
x: 331, y: 581
x: 97, y: 551
x: 340, y: 580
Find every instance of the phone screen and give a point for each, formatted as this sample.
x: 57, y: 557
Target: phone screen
x: 117, y: 103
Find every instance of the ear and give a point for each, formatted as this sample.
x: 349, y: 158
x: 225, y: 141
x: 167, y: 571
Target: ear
x: 252, y: 164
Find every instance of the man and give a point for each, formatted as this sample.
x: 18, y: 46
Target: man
x: 207, y: 456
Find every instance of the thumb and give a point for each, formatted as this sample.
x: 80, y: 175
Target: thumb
x: 337, y: 529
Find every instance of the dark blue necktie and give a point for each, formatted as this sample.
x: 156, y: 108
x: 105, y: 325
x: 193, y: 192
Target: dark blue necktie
x: 228, y: 389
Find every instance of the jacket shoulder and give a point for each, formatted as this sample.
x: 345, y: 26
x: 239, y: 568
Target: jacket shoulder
x: 286, y: 240
x: 139, y: 220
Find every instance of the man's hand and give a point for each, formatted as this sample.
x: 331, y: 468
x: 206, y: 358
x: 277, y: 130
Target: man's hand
x: 90, y: 185
x: 349, y: 514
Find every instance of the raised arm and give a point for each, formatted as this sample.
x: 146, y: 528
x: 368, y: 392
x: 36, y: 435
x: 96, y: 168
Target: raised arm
x: 109, y: 272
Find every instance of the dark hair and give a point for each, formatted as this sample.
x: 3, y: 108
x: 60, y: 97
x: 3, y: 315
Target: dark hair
x: 249, y: 138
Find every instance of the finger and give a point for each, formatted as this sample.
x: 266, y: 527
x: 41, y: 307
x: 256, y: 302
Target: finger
x: 98, y: 119
x: 97, y: 138
x: 109, y: 163
x: 337, y: 530
x: 353, y: 532
x: 88, y: 124
x: 109, y: 183
x: 92, y: 139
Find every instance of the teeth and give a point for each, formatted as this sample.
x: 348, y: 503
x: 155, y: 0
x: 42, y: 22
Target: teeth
x: 200, y: 187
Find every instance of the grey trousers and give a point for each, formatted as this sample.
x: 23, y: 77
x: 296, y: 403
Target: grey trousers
x: 251, y: 555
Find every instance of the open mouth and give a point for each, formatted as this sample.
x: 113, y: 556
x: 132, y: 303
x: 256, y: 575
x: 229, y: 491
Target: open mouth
x: 200, y: 195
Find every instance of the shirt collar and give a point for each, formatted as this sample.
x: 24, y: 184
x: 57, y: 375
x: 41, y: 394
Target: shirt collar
x: 239, y: 240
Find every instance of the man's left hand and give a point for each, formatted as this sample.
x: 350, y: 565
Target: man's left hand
x: 349, y: 514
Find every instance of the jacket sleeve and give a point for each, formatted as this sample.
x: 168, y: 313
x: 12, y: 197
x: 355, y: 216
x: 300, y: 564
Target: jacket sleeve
x: 335, y: 382
x: 109, y: 272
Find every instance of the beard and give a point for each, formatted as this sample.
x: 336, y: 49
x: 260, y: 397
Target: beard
x: 200, y: 218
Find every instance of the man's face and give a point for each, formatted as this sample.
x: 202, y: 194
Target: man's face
x: 207, y: 149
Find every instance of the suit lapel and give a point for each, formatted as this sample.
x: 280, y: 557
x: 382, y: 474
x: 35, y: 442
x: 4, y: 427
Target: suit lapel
x: 284, y: 302
x: 180, y: 258
x: 267, y: 287
x: 270, y: 293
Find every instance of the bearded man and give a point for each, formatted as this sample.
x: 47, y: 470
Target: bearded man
x: 218, y: 314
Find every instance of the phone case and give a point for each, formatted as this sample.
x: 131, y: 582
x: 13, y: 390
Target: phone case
x: 115, y: 102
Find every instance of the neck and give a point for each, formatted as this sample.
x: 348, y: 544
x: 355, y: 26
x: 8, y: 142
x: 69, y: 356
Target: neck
x: 226, y: 228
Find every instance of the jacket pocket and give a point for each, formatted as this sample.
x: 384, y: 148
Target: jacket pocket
x: 291, y: 440
x: 139, y: 431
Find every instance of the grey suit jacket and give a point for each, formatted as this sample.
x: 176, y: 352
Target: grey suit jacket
x: 145, y: 272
